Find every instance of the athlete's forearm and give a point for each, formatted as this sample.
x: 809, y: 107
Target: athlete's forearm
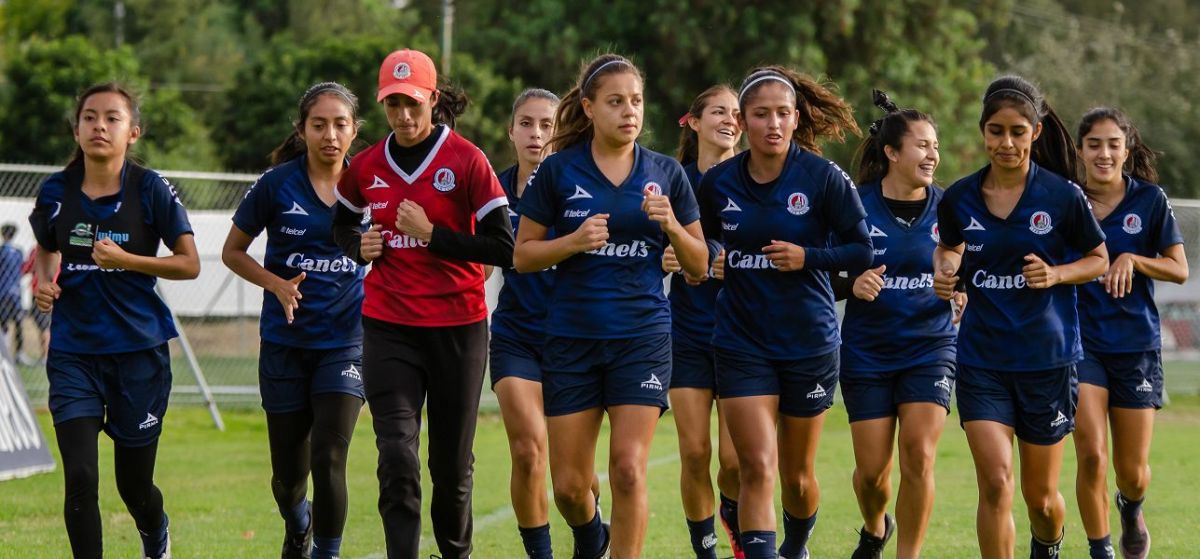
x: 690, y: 249
x: 1171, y: 266
x: 1089, y: 267
x: 491, y: 244
x: 245, y: 266
x: 45, y: 265
x: 945, y: 258
x: 535, y: 255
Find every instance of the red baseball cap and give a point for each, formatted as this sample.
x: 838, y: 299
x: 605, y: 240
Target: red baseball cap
x: 408, y: 72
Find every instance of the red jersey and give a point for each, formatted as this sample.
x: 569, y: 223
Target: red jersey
x: 456, y: 187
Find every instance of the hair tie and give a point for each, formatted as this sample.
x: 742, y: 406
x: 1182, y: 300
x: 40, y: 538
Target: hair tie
x: 683, y: 120
x: 588, y: 80
x: 1020, y: 93
x: 765, y: 75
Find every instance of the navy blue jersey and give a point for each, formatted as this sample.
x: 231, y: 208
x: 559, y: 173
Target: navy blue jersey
x: 693, y: 307
x: 108, y: 311
x: 1007, y: 326
x: 614, y: 291
x: 813, y: 204
x: 299, y: 230
x: 521, y: 306
x: 907, y: 325
x: 1142, y: 224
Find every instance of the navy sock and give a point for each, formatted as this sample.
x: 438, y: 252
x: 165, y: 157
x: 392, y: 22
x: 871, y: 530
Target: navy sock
x: 1039, y: 549
x: 759, y: 544
x: 704, y: 538
x: 1129, y: 509
x: 589, y: 538
x: 155, y: 544
x: 1101, y: 548
x: 795, y: 535
x: 537, y: 542
x: 297, y: 519
x: 729, y: 514
x: 326, y: 548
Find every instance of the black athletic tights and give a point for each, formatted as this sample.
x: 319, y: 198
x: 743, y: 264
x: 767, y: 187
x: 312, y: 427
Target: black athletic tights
x: 315, y: 440
x: 77, y: 441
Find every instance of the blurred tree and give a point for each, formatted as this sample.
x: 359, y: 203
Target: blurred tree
x: 38, y: 105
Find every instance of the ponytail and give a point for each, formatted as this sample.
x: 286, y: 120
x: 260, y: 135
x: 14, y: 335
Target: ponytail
x: 871, y: 161
x: 571, y: 124
x: 821, y: 114
x: 452, y: 103
x: 1053, y: 149
x: 689, y: 141
x: 1141, y: 161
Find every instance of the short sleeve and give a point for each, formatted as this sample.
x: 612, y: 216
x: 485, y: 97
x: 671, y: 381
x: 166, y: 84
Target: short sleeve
x: 168, y: 216
x: 843, y: 208
x: 45, y: 211
x: 254, y: 211
x: 348, y: 191
x: 683, y: 198
x: 949, y: 228
x: 1166, y: 229
x: 540, y: 201
x: 1084, y: 234
x: 484, y: 190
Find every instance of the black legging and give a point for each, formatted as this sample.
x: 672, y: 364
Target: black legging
x: 134, y: 467
x: 316, y: 440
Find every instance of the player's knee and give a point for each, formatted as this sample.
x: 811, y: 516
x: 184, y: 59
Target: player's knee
x: 875, y: 479
x: 572, y: 489
x: 627, y: 476
x: 1093, y: 461
x: 798, y: 482
x: 1041, y: 504
x: 917, y: 460
x: 696, y: 459
x: 528, y: 459
x: 996, y: 487
x: 82, y: 480
x: 1134, y: 476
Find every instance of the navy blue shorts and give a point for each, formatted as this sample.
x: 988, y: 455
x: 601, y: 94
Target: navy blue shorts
x: 1133, y: 380
x: 128, y: 391
x: 805, y: 386
x: 693, y: 366
x: 1038, y: 405
x: 872, y: 395
x: 581, y: 374
x: 288, y: 377
x: 509, y: 357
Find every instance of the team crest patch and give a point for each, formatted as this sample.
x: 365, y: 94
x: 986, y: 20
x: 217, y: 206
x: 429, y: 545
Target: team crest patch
x: 443, y: 180
x: 652, y: 188
x: 797, y: 203
x: 1039, y: 223
x: 1132, y: 224
x: 402, y: 71
x: 81, y: 235
x: 934, y: 234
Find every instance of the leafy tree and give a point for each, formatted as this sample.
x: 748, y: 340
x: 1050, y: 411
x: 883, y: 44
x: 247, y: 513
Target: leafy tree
x: 39, y: 103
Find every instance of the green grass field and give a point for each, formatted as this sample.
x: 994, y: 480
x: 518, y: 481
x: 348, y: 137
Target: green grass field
x: 216, y: 490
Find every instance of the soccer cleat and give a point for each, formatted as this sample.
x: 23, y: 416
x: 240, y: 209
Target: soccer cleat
x: 871, y: 546
x: 1135, y: 538
x: 735, y: 538
x: 298, y: 545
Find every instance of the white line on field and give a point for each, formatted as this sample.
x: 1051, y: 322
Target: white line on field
x: 505, y: 512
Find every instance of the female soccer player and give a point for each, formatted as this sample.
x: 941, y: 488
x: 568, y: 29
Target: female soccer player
x: 102, y: 218
x: 1120, y: 377
x: 710, y: 135
x: 517, y: 335
x: 897, y: 336
x: 787, y: 218
x: 614, y: 207
x: 1012, y: 230
x: 311, y: 355
x: 437, y: 215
